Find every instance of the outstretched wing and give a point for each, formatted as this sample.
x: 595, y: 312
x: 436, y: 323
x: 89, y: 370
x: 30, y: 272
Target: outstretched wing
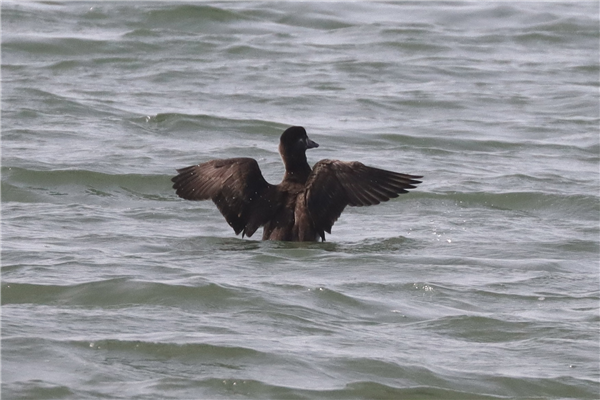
x: 235, y: 185
x: 334, y: 184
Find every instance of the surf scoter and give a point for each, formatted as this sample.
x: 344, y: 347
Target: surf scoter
x: 304, y: 205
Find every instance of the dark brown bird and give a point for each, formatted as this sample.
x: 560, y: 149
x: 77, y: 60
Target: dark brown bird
x: 304, y: 205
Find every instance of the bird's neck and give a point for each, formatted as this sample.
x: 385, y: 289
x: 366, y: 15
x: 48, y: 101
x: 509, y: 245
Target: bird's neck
x: 296, y: 169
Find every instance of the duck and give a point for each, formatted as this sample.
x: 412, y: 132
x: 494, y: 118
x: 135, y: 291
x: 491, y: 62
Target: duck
x: 307, y: 202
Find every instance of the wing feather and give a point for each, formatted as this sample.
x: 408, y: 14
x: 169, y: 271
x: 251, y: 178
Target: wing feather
x: 334, y: 184
x: 235, y: 185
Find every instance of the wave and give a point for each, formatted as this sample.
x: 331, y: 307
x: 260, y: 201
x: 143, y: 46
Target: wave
x: 222, y: 371
x: 122, y: 291
x: 575, y: 205
x: 191, y: 17
x: 252, y: 388
x: 179, y: 122
x: 447, y: 145
x: 29, y: 185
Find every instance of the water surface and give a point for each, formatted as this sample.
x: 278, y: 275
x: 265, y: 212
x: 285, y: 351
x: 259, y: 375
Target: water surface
x: 482, y: 283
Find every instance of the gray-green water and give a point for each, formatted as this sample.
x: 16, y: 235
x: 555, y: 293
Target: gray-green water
x: 482, y: 283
